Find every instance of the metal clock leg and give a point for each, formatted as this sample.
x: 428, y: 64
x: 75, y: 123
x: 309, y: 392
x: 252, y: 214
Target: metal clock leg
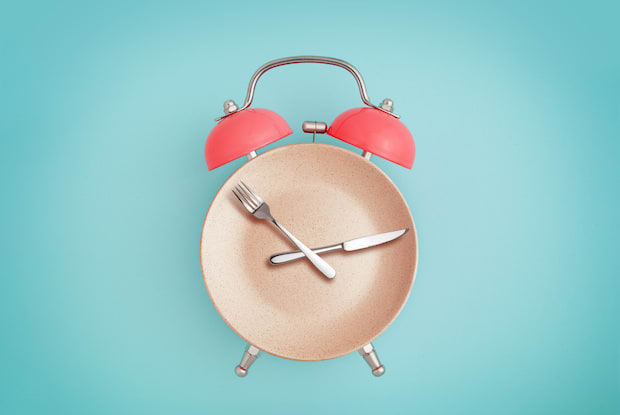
x: 250, y: 355
x: 370, y: 356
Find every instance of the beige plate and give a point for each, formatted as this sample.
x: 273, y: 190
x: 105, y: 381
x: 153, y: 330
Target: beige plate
x: 324, y: 195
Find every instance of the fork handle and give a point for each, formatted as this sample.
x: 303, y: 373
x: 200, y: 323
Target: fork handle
x: 284, y: 257
x: 316, y: 260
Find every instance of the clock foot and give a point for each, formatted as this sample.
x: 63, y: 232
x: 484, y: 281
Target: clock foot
x: 249, y: 356
x: 370, y: 356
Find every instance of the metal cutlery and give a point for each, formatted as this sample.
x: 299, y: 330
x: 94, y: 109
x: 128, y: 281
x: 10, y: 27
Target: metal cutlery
x: 257, y: 207
x: 352, y: 245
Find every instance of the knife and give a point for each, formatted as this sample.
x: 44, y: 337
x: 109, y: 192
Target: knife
x: 352, y: 245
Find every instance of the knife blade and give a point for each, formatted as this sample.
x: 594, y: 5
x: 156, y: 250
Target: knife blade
x: 352, y: 245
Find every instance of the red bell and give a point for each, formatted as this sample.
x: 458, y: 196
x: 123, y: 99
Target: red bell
x: 241, y: 133
x: 377, y: 132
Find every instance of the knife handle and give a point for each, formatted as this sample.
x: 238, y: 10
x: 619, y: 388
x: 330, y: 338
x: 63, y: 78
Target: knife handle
x: 285, y: 257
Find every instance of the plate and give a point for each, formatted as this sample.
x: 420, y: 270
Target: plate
x: 324, y: 195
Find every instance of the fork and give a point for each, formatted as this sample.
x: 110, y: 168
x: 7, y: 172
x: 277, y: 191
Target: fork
x: 257, y: 207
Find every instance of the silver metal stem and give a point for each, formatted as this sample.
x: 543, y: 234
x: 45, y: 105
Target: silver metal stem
x: 366, y: 154
x: 249, y: 356
x: 308, y: 59
x: 314, y: 127
x: 251, y: 155
x: 370, y: 356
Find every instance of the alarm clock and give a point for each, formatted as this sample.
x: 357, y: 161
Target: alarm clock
x: 325, y: 195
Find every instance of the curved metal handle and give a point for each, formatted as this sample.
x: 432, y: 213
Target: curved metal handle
x: 307, y: 59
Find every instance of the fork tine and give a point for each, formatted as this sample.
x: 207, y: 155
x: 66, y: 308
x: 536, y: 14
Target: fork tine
x: 253, y: 193
x: 240, y: 194
x: 243, y: 202
x: 248, y: 196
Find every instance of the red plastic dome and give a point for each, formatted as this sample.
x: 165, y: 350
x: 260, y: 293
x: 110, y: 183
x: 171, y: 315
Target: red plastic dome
x: 375, y: 131
x: 243, y: 132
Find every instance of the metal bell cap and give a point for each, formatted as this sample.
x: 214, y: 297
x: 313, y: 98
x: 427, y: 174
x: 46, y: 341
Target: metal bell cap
x: 241, y: 133
x: 377, y: 132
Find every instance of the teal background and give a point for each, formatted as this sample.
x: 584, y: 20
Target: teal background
x: 105, y: 108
